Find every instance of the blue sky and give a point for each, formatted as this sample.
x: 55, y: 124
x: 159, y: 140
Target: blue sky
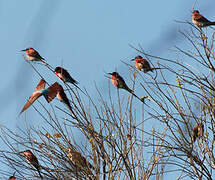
x: 87, y: 37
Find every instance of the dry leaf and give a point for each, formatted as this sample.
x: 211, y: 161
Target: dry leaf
x: 47, y: 135
x: 57, y: 135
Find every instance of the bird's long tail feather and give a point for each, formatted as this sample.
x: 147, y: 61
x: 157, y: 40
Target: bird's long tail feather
x: 44, y: 61
x: 212, y: 23
x: 38, y: 170
x: 132, y: 92
x: 155, y: 68
x: 79, y: 88
x: 67, y: 103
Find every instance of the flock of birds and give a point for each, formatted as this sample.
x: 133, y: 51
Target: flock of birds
x: 57, y: 90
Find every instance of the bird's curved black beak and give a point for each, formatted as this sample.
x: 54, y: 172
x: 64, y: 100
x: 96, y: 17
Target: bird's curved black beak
x: 132, y: 59
x: 23, y: 50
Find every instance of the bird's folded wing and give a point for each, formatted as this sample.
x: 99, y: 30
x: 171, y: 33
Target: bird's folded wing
x: 200, y: 18
x: 36, y: 55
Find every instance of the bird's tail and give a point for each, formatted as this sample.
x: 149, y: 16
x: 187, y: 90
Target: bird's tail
x: 38, y: 170
x: 44, y: 61
x: 132, y: 92
x: 142, y: 99
x: 68, y: 105
x: 128, y: 89
x: 154, y: 68
x: 79, y: 89
x: 212, y: 23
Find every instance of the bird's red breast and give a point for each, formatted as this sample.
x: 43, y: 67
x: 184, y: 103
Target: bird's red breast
x: 114, y: 80
x: 60, y: 75
x: 195, y: 17
x: 139, y: 64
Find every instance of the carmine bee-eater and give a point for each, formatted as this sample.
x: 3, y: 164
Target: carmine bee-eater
x: 64, y: 75
x: 119, y: 82
x: 142, y: 64
x: 49, y: 93
x: 12, y: 177
x: 63, y: 98
x: 33, y: 55
x: 32, y: 159
x: 200, y: 20
x: 198, y: 131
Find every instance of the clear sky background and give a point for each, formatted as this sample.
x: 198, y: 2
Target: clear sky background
x: 88, y: 37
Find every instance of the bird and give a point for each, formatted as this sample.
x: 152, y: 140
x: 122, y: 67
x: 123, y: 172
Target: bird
x: 32, y: 159
x: 200, y: 20
x: 78, y: 160
x: 198, y: 131
x: 63, y: 98
x: 33, y: 55
x: 12, y: 177
x: 119, y: 82
x: 142, y: 64
x: 64, y: 75
x: 40, y: 90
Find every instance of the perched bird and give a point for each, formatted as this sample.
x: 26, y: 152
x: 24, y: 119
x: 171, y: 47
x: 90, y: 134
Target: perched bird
x: 33, y: 55
x: 32, y: 159
x: 64, y: 75
x: 119, y: 82
x: 63, y: 98
x: 198, y: 131
x: 12, y: 177
x: 78, y: 159
x: 200, y: 20
x: 40, y: 90
x: 142, y: 64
